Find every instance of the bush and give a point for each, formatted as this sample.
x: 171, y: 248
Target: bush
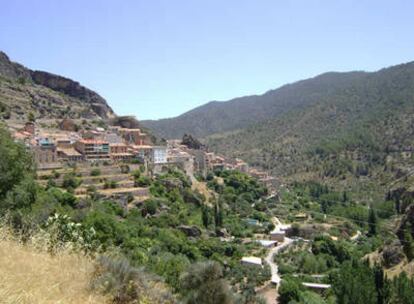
x: 289, y: 290
x: 16, y: 163
x: 203, y: 283
x: 70, y: 181
x: 142, y: 181
x: 110, y: 184
x: 95, y: 172
x: 127, y: 284
x: 150, y: 207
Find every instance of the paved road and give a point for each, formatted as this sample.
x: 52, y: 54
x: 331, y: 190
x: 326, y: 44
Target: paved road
x: 270, y: 292
x: 269, y: 259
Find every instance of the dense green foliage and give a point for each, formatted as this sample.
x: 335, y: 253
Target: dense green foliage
x: 357, y: 283
x: 166, y: 234
x: 174, y: 235
x: 16, y: 164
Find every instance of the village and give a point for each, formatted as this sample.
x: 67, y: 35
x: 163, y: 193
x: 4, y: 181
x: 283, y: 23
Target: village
x: 114, y: 147
x: 104, y: 158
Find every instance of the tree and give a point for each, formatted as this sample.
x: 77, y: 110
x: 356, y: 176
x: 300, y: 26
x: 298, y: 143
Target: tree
x: 218, y: 215
x: 203, y: 283
x: 22, y: 196
x: 16, y: 164
x: 382, y: 285
x: 355, y: 284
x: 403, y: 290
x: 205, y: 214
x: 289, y: 290
x: 408, y: 242
x: 372, y: 222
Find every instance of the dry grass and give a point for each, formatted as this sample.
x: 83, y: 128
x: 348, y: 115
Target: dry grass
x: 28, y: 275
x: 408, y: 268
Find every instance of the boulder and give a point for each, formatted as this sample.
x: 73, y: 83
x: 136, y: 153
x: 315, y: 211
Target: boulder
x: 68, y: 125
x: 192, y: 231
x: 222, y: 232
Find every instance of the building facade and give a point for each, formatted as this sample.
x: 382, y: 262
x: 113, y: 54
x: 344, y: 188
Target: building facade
x: 93, y: 149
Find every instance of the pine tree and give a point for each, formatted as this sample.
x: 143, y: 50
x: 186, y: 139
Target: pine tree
x: 372, y: 222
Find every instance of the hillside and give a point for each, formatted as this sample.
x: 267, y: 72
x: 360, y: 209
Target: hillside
x: 24, y: 91
x: 362, y: 129
x: 238, y: 113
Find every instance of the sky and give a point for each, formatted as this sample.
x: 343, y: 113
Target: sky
x: 160, y: 58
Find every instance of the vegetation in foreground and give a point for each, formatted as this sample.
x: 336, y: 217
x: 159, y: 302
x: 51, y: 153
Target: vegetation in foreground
x: 167, y: 235
x: 184, y: 246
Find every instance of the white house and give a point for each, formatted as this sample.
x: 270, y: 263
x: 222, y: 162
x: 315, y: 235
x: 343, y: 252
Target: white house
x: 267, y: 243
x: 251, y: 261
x: 159, y: 155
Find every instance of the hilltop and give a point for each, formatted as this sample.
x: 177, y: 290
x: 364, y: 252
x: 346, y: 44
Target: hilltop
x: 45, y: 95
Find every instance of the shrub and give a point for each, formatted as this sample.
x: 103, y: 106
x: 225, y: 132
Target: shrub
x: 95, y: 172
x: 70, y: 181
x: 127, y: 284
x: 203, y: 283
x: 289, y: 290
x: 150, y: 207
x: 142, y: 181
x: 16, y: 163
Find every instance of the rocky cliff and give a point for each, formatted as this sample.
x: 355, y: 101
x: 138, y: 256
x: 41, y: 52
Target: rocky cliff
x: 46, y: 94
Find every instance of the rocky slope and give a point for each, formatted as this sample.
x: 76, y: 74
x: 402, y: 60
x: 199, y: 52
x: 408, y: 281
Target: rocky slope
x: 23, y: 91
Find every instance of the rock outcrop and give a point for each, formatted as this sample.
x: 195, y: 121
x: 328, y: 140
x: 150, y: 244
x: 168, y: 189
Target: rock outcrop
x: 192, y: 142
x: 191, y: 231
x: 73, y: 89
x: 12, y: 70
x: 37, y: 87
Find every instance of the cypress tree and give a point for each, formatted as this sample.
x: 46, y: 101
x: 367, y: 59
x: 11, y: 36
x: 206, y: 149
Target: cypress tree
x: 372, y: 222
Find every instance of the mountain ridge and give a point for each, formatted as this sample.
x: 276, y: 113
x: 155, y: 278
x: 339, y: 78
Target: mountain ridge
x: 240, y: 112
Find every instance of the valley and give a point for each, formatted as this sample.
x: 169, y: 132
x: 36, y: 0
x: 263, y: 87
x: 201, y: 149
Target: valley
x: 301, y: 195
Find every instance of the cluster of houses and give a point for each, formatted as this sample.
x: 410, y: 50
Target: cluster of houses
x: 53, y: 148
x: 203, y: 161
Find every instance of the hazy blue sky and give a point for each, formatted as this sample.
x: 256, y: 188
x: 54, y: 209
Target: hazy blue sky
x: 158, y: 59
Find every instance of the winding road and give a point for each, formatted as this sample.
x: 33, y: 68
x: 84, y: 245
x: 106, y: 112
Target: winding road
x: 270, y: 293
x: 269, y: 259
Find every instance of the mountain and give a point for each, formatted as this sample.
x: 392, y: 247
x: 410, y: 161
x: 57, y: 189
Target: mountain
x: 46, y: 95
x: 238, y: 113
x: 354, y: 130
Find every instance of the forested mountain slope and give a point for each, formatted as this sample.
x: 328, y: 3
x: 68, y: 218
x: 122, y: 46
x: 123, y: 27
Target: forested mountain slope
x: 364, y: 128
x: 238, y: 113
